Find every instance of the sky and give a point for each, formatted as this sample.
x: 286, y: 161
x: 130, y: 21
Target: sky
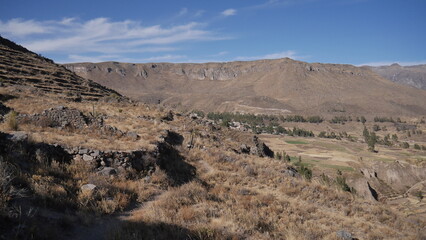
x: 358, y: 32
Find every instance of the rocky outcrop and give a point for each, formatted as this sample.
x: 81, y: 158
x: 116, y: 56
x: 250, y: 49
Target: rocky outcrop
x: 57, y: 117
x: 257, y: 148
x: 105, y: 161
x: 63, y: 117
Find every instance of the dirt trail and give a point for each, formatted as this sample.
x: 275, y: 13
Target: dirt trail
x: 100, y: 227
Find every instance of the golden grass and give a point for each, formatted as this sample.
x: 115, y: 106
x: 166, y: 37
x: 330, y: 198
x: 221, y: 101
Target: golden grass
x: 232, y: 196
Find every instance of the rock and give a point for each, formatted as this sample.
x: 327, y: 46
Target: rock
x: 342, y: 234
x: 77, y: 158
x: 83, y: 151
x: 107, y: 171
x: 18, y: 136
x: 168, y: 116
x: 290, y: 171
x: 244, y: 149
x: 261, y: 149
x: 132, y: 135
x: 59, y: 117
x: 88, y: 188
x: 95, y: 153
x: 194, y: 116
x: 87, y: 157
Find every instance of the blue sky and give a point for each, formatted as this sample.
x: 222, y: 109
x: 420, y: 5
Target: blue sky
x: 356, y: 32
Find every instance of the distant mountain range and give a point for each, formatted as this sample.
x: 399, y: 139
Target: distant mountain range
x: 264, y: 86
x: 414, y: 76
x: 281, y: 86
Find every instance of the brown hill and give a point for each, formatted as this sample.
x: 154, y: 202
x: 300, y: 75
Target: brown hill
x: 272, y: 86
x: 414, y: 76
x: 20, y: 66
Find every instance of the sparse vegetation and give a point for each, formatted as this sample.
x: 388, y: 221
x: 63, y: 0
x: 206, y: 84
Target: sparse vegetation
x: 12, y: 122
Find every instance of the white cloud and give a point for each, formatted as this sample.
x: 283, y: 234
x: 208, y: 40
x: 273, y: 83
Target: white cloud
x: 19, y: 27
x: 285, y: 54
x: 102, y: 36
x: 229, y: 12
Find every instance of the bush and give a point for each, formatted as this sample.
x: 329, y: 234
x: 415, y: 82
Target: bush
x: 417, y: 146
x: 12, y: 122
x: 405, y: 145
x: 304, y: 171
x: 7, y: 191
x: 341, y: 182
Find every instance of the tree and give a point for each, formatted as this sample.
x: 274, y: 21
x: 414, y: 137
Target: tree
x: 363, y: 120
x: 366, y: 134
x: 372, y: 140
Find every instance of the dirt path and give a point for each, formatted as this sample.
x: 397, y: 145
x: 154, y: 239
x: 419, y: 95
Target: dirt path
x: 100, y: 226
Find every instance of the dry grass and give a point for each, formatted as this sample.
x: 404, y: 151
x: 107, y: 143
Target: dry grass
x: 232, y: 196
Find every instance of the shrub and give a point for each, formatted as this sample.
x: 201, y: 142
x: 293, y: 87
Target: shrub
x: 405, y: 145
x: 304, y: 171
x: 12, y: 122
x: 417, y: 146
x: 7, y: 191
x: 341, y: 182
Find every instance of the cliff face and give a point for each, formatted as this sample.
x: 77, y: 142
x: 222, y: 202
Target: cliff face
x: 414, y: 76
x: 264, y: 86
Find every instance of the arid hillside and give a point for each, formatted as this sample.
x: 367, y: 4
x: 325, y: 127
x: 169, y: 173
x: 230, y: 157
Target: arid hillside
x: 272, y: 86
x: 20, y: 66
x: 414, y: 76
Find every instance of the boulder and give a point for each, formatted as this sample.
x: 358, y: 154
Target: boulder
x: 95, y: 153
x: 132, y: 135
x: 83, y: 151
x: 87, y: 157
x: 107, y: 171
x: 261, y: 149
x: 18, y: 136
x: 168, y: 116
x: 88, y: 188
x: 342, y: 234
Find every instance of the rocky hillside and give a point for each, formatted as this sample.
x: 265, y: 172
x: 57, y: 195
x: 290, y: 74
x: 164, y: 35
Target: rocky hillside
x: 23, y: 67
x: 414, y: 76
x: 124, y: 170
x: 272, y: 86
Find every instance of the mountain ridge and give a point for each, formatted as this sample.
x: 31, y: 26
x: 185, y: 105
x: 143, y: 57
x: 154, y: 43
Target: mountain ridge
x: 414, y: 75
x: 284, y: 84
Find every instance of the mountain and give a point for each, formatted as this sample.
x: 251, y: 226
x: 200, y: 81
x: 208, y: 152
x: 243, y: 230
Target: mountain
x: 414, y: 76
x: 269, y: 86
x: 20, y: 66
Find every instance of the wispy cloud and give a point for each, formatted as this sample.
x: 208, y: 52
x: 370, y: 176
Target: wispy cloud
x: 183, y: 11
x: 199, y: 13
x: 285, y: 54
x: 102, y: 36
x: 229, y: 12
x: 20, y: 28
x: 279, y: 3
